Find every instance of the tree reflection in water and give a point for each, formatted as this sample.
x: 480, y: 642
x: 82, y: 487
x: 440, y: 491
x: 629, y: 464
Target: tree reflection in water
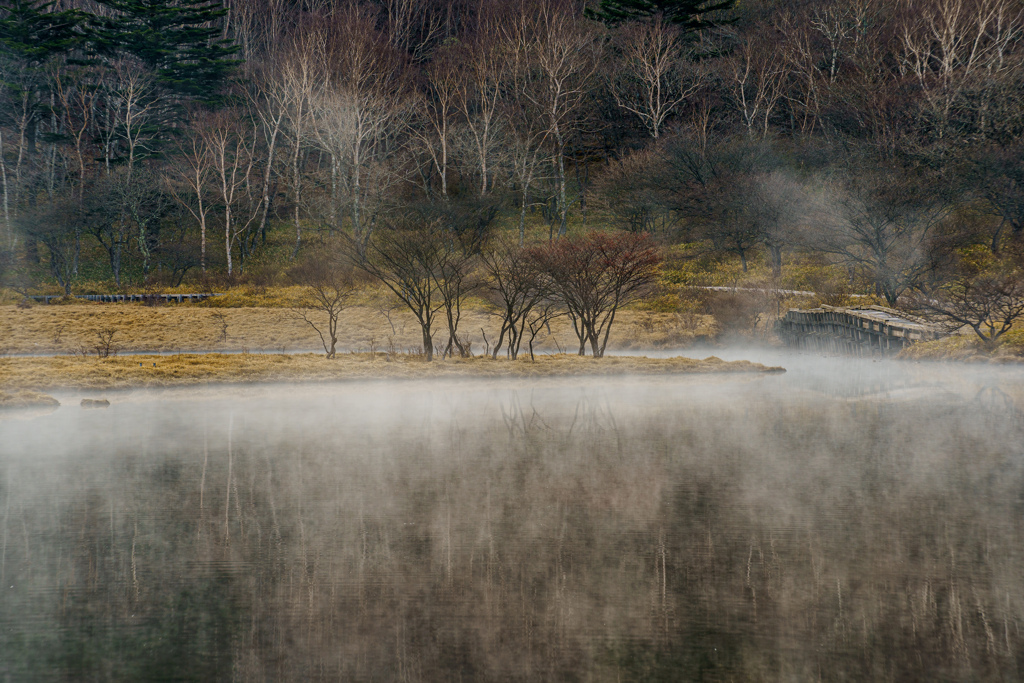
x: 607, y: 531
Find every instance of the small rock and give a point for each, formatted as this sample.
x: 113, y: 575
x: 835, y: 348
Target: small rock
x: 95, y: 403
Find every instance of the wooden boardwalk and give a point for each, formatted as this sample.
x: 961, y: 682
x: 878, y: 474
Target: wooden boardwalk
x: 129, y: 298
x: 859, y: 331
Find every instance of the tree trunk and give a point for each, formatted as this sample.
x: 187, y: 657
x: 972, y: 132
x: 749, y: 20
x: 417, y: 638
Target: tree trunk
x: 8, y: 232
x: 522, y: 214
x: 775, y: 252
x: 428, y: 341
x: 356, y: 189
x: 202, y: 239
x: 227, y: 237
x: 296, y: 183
x: 563, y: 207
x: 266, y: 178
x: 115, y: 263
x: 608, y: 329
x: 483, y: 174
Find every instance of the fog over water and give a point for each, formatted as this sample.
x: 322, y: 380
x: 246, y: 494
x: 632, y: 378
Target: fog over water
x: 848, y: 520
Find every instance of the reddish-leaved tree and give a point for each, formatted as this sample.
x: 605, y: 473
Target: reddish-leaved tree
x: 594, y: 275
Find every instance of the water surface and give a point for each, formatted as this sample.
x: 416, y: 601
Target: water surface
x: 848, y: 520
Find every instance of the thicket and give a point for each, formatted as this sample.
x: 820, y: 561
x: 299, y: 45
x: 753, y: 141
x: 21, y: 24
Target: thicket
x: 148, y: 142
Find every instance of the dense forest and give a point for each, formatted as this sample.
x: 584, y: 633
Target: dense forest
x: 151, y: 141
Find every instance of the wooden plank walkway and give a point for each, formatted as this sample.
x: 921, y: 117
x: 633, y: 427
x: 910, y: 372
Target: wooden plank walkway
x: 859, y: 331
x: 130, y: 298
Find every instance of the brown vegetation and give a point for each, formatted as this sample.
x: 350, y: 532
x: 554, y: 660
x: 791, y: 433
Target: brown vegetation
x: 68, y: 329
x: 26, y: 398
x: 969, y: 348
x: 187, y: 369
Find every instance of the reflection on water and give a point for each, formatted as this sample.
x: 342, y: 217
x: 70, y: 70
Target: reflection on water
x: 866, y: 525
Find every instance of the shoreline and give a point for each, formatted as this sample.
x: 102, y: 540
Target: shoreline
x: 55, y: 373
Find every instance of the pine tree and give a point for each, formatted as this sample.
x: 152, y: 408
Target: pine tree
x: 31, y: 33
x: 177, y: 39
x: 687, y: 14
x: 31, y: 37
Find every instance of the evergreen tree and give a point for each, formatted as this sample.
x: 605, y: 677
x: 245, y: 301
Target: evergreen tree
x: 177, y: 39
x: 30, y: 36
x: 687, y: 14
x: 31, y: 33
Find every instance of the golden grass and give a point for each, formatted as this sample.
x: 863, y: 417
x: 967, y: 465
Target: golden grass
x: 26, y: 398
x: 968, y: 347
x: 190, y: 369
x: 183, y: 327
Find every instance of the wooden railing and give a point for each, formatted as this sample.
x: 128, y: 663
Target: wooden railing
x: 129, y: 298
x: 860, y: 331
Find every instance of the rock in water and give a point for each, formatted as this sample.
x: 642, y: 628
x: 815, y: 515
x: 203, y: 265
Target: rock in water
x: 95, y: 403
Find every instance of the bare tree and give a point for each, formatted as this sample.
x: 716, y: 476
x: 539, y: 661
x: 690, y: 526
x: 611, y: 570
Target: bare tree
x: 296, y: 79
x: 359, y: 110
x: 516, y: 287
x: 526, y: 150
x: 480, y: 95
x: 189, y: 181
x: 626, y: 191
x: 538, y: 319
x: 406, y: 259
x: 596, y: 274
x: 229, y: 146
x: 950, y: 47
x: 55, y: 225
x: 555, y: 57
x: 989, y: 303
x: 414, y: 26
x: 269, y: 106
x: 885, y: 222
x: 756, y: 84
x: 76, y: 107
x: 439, y: 101
x: 328, y: 285
x: 815, y: 48
x: 455, y: 281
x: 75, y: 99
x: 653, y: 78
x: 128, y: 139
x: 717, y: 186
x: 997, y: 176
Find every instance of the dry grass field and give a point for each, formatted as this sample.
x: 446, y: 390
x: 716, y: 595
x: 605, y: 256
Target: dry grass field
x: 52, y: 372
x: 25, y: 398
x: 966, y: 347
x: 75, y: 328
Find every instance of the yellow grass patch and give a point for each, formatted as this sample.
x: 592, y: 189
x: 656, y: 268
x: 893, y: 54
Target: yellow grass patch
x: 968, y: 347
x: 26, y: 398
x: 190, y: 369
x: 74, y: 328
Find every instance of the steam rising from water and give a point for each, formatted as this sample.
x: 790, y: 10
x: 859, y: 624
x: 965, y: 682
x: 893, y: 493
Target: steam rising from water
x: 849, y: 519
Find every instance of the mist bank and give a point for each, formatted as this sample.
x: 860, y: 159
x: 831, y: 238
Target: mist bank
x: 854, y: 522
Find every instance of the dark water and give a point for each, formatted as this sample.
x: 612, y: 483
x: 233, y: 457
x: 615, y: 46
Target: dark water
x: 849, y: 520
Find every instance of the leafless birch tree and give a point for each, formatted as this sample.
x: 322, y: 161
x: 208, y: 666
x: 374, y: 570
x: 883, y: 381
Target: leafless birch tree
x: 653, y: 78
x: 555, y: 58
x: 358, y: 111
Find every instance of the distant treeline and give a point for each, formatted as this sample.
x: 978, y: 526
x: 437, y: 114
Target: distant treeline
x: 151, y: 139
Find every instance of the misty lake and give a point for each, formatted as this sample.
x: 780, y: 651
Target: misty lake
x: 848, y: 520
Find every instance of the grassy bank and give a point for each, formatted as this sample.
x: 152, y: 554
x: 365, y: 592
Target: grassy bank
x: 75, y: 328
x: 25, y: 398
x: 182, y: 370
x: 969, y: 348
